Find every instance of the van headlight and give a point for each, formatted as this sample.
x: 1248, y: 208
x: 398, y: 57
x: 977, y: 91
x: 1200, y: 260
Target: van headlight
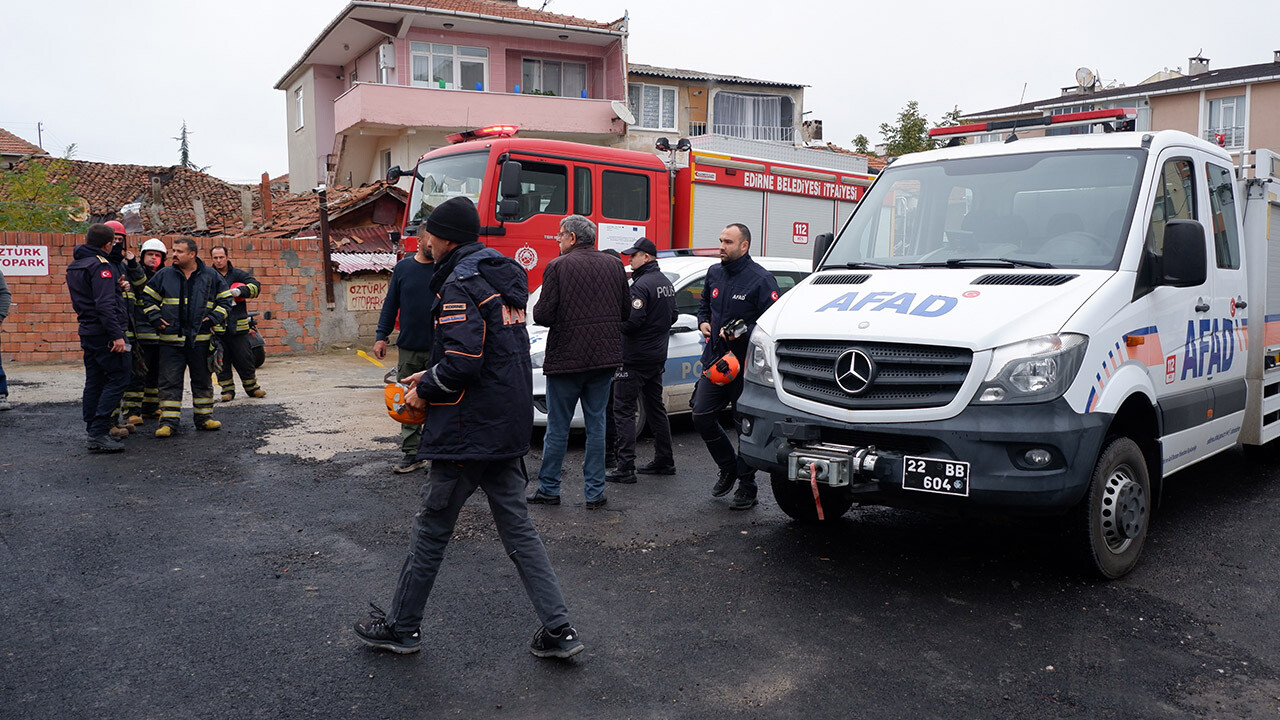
x: 759, y: 369
x: 1035, y: 370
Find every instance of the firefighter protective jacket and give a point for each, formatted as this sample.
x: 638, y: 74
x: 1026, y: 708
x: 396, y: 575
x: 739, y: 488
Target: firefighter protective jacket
x: 646, y: 334
x: 238, y: 322
x: 479, y: 387
x: 190, y: 305
x: 95, y: 295
x: 738, y: 290
x: 138, y: 275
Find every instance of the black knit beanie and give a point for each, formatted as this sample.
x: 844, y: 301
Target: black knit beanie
x: 455, y: 220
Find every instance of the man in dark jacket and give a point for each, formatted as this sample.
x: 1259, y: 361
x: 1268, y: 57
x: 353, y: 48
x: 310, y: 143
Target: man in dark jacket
x: 142, y: 399
x: 186, y: 300
x: 234, y: 331
x: 645, y: 337
x: 102, y: 314
x: 736, y: 289
x: 409, y: 297
x: 478, y: 396
x: 584, y: 301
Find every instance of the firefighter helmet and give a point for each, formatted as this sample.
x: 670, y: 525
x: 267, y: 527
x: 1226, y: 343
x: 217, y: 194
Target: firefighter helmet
x: 399, y: 410
x: 724, y: 370
x: 155, y: 245
x: 117, y: 227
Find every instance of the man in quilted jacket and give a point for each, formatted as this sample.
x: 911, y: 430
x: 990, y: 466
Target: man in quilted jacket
x: 584, y: 301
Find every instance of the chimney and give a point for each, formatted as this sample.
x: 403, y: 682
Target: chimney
x: 1276, y: 57
x: 1197, y: 65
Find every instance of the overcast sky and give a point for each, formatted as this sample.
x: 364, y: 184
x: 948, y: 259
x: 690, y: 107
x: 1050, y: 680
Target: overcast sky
x: 118, y: 78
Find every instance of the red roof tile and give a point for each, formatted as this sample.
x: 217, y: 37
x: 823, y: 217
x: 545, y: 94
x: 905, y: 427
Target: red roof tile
x: 11, y: 144
x: 499, y: 8
x: 874, y: 162
x: 294, y: 214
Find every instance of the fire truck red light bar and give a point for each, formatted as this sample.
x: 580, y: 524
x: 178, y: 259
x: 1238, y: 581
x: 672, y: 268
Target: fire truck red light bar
x: 1109, y: 114
x: 499, y: 130
x: 957, y: 129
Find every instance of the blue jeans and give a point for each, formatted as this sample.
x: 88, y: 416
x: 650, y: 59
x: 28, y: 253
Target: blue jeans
x: 563, y: 393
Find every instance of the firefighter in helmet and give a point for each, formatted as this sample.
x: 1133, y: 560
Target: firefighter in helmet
x: 235, y: 332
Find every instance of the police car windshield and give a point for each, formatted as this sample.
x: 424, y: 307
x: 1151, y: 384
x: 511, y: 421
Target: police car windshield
x: 1049, y: 209
x: 445, y: 177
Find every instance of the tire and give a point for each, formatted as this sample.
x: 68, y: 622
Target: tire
x: 796, y: 500
x: 1109, y: 526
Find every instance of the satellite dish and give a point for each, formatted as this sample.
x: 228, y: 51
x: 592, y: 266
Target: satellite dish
x: 1085, y: 78
x: 623, y: 112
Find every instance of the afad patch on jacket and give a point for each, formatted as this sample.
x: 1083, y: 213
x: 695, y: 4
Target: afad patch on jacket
x: 512, y: 316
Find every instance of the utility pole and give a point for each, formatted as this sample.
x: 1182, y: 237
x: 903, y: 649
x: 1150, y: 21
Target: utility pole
x: 40, y: 134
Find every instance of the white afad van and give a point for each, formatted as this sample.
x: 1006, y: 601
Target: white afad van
x: 1041, y: 326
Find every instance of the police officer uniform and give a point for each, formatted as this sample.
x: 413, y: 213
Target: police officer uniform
x: 736, y: 290
x: 234, y: 334
x: 645, y: 338
x: 102, y: 314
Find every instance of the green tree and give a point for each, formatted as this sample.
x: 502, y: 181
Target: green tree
x: 39, y: 198
x: 911, y: 133
x: 861, y: 144
x: 184, y: 150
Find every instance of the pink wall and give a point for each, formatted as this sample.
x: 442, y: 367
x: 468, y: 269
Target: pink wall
x: 430, y: 107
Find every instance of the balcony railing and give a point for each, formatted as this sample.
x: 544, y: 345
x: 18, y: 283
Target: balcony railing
x: 1233, y: 136
x: 755, y: 132
x: 697, y: 128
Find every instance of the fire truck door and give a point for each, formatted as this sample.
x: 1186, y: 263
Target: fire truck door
x: 715, y: 207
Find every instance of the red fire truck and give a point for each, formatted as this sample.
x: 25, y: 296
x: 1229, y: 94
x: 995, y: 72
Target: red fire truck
x: 523, y: 187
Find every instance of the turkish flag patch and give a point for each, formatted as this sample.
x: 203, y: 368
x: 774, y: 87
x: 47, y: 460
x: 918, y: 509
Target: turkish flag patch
x: 106, y: 273
x: 774, y: 294
x: 715, y: 292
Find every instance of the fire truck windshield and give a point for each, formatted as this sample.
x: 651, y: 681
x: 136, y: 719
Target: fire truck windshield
x: 441, y: 178
x: 1047, y: 209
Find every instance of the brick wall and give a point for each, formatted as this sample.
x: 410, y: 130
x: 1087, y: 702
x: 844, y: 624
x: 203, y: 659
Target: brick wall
x: 41, y: 326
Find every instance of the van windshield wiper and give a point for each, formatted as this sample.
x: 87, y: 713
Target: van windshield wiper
x: 985, y: 262
x: 860, y: 265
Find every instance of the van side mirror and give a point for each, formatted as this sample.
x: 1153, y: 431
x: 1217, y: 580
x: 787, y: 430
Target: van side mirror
x: 821, y: 245
x: 394, y: 173
x: 509, y: 189
x: 684, y: 323
x: 1184, y: 262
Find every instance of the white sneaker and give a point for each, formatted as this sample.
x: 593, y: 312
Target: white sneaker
x: 4, y: 403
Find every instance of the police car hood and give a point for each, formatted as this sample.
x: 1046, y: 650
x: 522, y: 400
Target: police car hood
x: 972, y: 308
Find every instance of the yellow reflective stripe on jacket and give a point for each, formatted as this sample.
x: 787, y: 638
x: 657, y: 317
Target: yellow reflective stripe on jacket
x: 151, y: 291
x: 223, y: 294
x: 171, y: 301
x: 203, y: 337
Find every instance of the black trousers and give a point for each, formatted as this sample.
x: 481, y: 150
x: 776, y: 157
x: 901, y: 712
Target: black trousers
x: 709, y: 400
x: 643, y: 384
x: 143, y: 394
x: 175, y: 362
x: 106, y: 375
x: 236, y: 353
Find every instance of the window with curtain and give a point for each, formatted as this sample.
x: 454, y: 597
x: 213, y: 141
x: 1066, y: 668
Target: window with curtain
x: 565, y: 79
x: 449, y: 66
x: 752, y: 116
x: 1226, y: 118
x: 654, y: 106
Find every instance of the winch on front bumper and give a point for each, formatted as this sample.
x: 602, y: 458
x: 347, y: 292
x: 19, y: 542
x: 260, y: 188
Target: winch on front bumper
x: 1020, y: 458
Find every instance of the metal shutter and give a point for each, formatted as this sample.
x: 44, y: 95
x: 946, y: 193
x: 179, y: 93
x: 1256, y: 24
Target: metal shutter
x: 715, y: 207
x: 784, y: 212
x: 1273, y: 262
x: 843, y: 211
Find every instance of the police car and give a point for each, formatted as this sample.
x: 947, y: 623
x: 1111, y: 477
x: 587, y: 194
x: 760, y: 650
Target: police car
x: 687, y: 273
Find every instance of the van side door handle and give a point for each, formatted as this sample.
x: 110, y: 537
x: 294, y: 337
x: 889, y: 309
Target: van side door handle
x: 1202, y: 306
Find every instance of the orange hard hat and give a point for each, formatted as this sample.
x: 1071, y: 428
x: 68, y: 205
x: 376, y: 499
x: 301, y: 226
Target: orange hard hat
x: 400, y: 411
x: 116, y: 226
x: 724, y: 370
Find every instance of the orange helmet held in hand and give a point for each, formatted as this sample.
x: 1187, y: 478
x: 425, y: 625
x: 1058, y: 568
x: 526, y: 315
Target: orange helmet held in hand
x: 400, y: 411
x: 241, y: 299
x: 723, y: 371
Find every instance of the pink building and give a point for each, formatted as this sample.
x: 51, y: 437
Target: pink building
x: 386, y: 82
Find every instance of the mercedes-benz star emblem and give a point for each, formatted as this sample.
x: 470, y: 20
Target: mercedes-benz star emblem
x: 854, y: 371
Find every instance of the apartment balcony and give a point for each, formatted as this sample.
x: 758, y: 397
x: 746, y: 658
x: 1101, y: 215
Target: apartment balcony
x: 1233, y: 137
x: 755, y: 132
x: 378, y: 108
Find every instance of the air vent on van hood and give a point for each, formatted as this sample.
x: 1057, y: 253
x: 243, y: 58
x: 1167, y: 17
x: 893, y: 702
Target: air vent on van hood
x: 842, y: 279
x: 1028, y: 279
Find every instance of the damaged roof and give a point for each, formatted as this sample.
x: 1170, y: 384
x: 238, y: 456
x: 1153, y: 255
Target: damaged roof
x: 299, y: 216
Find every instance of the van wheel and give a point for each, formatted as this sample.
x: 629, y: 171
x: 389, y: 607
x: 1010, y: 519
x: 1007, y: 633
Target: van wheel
x: 1110, y: 524
x: 796, y: 500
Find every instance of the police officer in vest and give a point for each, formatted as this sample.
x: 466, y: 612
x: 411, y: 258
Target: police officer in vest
x: 103, y: 316
x: 645, y: 337
x: 736, y: 294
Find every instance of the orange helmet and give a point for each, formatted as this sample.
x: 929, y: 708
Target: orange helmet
x: 116, y: 226
x: 723, y: 371
x: 400, y: 411
x: 242, y: 298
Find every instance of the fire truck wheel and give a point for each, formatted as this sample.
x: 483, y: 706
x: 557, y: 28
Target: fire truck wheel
x: 1110, y: 524
x: 796, y: 500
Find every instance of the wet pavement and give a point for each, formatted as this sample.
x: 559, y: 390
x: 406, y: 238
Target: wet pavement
x: 216, y: 575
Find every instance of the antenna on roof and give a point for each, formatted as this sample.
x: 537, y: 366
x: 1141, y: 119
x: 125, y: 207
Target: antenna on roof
x: 1023, y: 95
x: 545, y: 3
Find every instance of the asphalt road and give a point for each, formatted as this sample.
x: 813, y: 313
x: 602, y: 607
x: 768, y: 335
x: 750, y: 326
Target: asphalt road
x: 197, y: 578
